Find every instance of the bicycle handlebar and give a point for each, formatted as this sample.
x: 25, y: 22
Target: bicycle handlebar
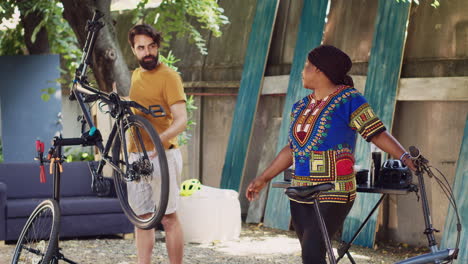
x: 113, y: 99
x: 90, y: 94
x: 153, y: 110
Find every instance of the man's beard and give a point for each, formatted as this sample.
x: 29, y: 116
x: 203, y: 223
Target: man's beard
x: 149, y: 64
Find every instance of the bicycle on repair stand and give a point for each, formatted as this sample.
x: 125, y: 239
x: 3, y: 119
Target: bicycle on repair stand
x: 38, y: 241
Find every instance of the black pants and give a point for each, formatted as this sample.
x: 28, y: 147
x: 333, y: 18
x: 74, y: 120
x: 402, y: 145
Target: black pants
x: 308, y: 231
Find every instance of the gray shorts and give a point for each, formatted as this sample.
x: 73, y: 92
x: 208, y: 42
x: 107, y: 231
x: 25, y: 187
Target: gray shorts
x: 143, y: 195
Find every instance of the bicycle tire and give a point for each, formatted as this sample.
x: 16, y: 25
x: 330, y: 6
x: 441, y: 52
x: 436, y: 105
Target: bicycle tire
x: 134, y: 127
x: 38, y: 239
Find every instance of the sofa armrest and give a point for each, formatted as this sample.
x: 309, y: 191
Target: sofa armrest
x: 3, y: 195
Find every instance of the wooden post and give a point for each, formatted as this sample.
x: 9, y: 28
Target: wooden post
x: 310, y: 33
x: 460, y: 195
x: 257, y: 207
x: 249, y: 93
x: 381, y: 91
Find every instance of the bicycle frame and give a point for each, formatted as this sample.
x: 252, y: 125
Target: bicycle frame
x: 80, y: 87
x: 436, y: 255
x: 117, y: 128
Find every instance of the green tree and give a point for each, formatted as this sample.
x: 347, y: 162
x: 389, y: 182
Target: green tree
x: 173, y: 17
x: 57, y: 26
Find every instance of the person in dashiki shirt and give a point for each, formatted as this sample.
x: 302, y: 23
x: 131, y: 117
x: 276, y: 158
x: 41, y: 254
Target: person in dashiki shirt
x: 322, y: 137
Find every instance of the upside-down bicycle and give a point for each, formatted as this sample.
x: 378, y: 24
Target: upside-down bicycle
x: 38, y: 241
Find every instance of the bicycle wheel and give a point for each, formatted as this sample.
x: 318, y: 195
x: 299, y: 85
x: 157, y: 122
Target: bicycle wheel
x: 37, y: 242
x: 142, y: 183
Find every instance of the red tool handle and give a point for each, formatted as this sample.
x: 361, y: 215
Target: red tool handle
x: 42, y: 174
x: 38, y: 145
x: 40, y: 151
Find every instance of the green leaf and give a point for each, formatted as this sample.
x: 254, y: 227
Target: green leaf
x: 45, y: 97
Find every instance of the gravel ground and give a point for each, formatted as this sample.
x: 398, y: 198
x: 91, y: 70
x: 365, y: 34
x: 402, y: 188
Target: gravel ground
x: 256, y: 244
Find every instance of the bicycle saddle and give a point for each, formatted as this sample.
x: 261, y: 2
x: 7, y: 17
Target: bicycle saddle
x: 308, y: 193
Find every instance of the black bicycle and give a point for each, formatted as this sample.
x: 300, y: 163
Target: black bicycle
x: 132, y: 145
x: 437, y: 255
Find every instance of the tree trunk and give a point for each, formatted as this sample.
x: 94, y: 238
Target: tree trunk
x: 29, y: 22
x: 108, y: 63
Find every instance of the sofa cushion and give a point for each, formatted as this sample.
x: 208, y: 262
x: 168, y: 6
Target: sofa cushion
x: 21, y: 207
x: 76, y: 180
x: 89, y: 205
x: 77, y: 226
x: 22, y: 180
x: 69, y: 206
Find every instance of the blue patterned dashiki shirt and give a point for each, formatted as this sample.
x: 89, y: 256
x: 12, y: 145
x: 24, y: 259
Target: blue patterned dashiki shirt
x: 322, y: 137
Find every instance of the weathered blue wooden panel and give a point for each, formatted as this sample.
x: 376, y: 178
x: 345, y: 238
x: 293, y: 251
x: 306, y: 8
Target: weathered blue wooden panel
x: 277, y: 214
x: 25, y: 116
x: 460, y: 192
x: 381, y: 90
x: 249, y: 92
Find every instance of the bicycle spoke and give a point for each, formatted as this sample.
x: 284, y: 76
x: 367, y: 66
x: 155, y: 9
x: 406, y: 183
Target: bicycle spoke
x: 35, y: 244
x: 140, y: 174
x: 34, y: 251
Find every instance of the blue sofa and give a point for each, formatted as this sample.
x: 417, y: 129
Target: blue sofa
x: 83, y: 212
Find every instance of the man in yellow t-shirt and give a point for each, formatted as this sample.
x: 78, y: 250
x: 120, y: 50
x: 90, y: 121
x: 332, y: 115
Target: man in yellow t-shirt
x: 154, y: 83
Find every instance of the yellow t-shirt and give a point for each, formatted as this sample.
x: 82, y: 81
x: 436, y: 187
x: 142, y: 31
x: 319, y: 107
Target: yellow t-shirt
x: 160, y: 86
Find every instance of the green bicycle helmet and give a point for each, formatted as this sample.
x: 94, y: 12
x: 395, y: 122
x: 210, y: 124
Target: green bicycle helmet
x: 188, y: 187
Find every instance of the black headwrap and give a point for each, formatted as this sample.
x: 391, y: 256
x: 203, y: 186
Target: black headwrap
x: 333, y: 62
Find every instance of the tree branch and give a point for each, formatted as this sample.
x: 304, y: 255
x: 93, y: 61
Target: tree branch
x: 108, y: 62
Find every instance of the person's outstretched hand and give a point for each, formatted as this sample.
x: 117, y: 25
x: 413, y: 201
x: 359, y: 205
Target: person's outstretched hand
x: 254, y: 188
